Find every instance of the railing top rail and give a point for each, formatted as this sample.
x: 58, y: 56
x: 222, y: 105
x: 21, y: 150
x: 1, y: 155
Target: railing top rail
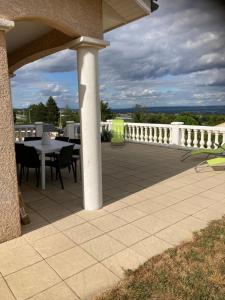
x: 24, y: 126
x: 149, y: 125
x: 199, y: 127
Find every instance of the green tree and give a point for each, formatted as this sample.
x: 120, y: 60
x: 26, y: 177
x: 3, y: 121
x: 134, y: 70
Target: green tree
x: 67, y: 114
x: 188, y: 119
x: 52, y: 111
x: 106, y: 112
x: 140, y: 114
x: 36, y: 113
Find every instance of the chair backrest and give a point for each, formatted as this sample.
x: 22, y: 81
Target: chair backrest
x: 65, y: 156
x: 75, y: 141
x: 117, y: 131
x: 62, y: 138
x: 30, y: 158
x: 19, y: 148
x: 31, y: 138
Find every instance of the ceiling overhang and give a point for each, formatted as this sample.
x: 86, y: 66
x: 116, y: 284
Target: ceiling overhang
x: 117, y: 13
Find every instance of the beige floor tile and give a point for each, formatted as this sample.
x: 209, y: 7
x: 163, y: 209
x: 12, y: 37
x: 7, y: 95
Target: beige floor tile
x: 83, y: 233
x: 32, y: 280
x: 161, y: 188
x: 129, y: 214
x: 193, y: 189
x: 36, y: 221
x: 70, y: 262
x: 30, y: 195
x: 125, y: 260
x: 170, y: 215
x: 56, y: 211
x: 115, y: 205
x: 149, y: 206
x: 175, y: 234
x: 151, y: 224
x: 15, y: 258
x: 67, y: 222
x: 91, y: 215
x: 185, y: 208
x: 150, y: 247
x: 102, y: 247
x: 201, y: 202
x: 192, y: 224
x: 166, y: 200
x: 179, y: 194
x: 134, y: 198
x: 86, y: 285
x: 108, y: 222
x: 58, y: 292
x: 209, y: 214
x: 128, y: 234
x: 61, y: 195
x: 5, y: 293
x: 213, y: 194
x: 41, y: 204
x: 53, y: 244
x: 39, y: 233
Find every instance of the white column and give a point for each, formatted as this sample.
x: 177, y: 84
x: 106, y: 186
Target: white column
x: 176, y: 134
x: 87, y: 66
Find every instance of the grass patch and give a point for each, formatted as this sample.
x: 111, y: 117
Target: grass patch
x: 191, y: 271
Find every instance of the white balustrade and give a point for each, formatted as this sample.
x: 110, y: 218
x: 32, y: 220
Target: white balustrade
x: 22, y: 131
x: 174, y: 134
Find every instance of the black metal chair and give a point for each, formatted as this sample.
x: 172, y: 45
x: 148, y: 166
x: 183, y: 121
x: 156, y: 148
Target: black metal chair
x: 76, y: 153
x: 30, y: 160
x: 19, y: 149
x: 62, y: 138
x: 32, y: 138
x: 61, y: 161
x: 57, y: 138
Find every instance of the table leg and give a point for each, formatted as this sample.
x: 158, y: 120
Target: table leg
x: 43, y: 171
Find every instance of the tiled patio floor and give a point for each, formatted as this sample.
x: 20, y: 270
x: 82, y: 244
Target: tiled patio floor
x: 152, y: 202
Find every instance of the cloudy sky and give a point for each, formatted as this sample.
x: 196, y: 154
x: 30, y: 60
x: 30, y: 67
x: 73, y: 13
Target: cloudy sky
x: 174, y: 57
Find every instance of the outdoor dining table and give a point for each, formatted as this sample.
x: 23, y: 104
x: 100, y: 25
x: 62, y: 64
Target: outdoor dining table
x: 42, y: 149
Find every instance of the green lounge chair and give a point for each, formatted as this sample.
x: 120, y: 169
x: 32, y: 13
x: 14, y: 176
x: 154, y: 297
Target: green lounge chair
x: 217, y: 152
x: 117, y: 133
x: 214, y: 162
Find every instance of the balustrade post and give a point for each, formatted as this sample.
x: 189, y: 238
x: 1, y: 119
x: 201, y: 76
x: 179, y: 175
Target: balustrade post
x: 176, y: 133
x: 209, y: 141
x: 160, y: 135
x: 202, y: 140
x: 70, y: 132
x: 195, y: 142
x: 39, y: 128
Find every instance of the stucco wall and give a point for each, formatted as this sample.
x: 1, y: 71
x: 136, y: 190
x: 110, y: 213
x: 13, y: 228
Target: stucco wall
x: 9, y: 207
x: 73, y: 17
x: 50, y: 43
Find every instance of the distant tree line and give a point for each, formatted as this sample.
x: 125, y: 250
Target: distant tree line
x: 141, y: 115
x: 50, y: 113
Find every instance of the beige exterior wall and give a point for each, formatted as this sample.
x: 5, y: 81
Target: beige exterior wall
x: 73, y: 17
x: 9, y: 207
x: 68, y: 19
x: 49, y: 43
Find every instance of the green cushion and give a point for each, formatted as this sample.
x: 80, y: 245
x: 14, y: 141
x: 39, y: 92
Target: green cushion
x: 209, y: 151
x: 216, y: 161
x: 117, y: 131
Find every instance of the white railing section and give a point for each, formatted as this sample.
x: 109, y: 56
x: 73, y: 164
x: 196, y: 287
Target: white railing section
x: 148, y: 133
x: 201, y: 136
x: 176, y: 133
x: 22, y: 131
